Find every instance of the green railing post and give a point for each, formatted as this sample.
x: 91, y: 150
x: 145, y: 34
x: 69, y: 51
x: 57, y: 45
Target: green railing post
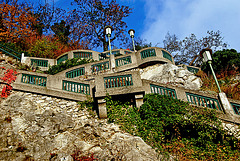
x: 76, y: 87
x: 33, y: 79
x: 163, y: 91
x: 208, y: 102
x: 118, y: 81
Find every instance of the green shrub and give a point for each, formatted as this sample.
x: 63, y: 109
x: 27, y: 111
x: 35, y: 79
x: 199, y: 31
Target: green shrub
x: 67, y: 64
x: 174, y: 126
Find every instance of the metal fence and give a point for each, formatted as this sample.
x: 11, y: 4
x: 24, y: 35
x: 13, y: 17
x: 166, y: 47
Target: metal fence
x: 203, y: 101
x: 163, y: 91
x: 147, y: 53
x: 62, y: 58
x: 76, y: 87
x: 100, y: 66
x: 118, y: 81
x: 81, y: 54
x: 75, y: 73
x: 167, y: 55
x: 34, y: 80
x: 236, y: 108
x: 39, y: 63
x: 123, y: 61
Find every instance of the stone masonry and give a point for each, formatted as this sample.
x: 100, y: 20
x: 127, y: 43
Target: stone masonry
x: 43, y: 128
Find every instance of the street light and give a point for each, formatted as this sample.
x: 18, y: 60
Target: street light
x: 108, y: 30
x: 206, y: 55
x: 131, y: 33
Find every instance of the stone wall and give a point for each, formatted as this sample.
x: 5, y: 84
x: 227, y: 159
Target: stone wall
x: 45, y: 128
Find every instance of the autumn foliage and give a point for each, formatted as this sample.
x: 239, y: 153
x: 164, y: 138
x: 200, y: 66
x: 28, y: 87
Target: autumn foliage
x: 50, y: 46
x: 16, y: 22
x: 9, y: 77
x: 18, y: 26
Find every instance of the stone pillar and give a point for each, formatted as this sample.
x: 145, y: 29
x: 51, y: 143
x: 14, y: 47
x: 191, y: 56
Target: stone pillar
x: 225, y: 103
x: 23, y: 59
x: 102, y: 109
x: 181, y: 94
x: 112, y: 62
x: 139, y: 100
x: 70, y: 55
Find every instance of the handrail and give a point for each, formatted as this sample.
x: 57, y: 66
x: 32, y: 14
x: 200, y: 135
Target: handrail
x: 147, y: 53
x: 236, y: 108
x: 167, y: 55
x: 82, y: 54
x: 76, y: 87
x: 39, y: 62
x: 118, y: 81
x: 10, y: 49
x: 75, y: 72
x: 34, y: 80
x: 123, y: 61
x: 203, y: 101
x: 163, y: 91
x: 10, y: 54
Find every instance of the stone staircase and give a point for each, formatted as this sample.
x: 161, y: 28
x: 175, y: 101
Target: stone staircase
x: 121, y: 77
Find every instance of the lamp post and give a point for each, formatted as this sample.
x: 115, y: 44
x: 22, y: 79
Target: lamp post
x: 206, y: 55
x: 131, y: 33
x: 108, y: 30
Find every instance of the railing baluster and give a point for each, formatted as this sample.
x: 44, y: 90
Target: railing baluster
x: 33, y: 79
x: 163, y: 90
x: 76, y: 87
x: 118, y: 81
x: 206, y: 101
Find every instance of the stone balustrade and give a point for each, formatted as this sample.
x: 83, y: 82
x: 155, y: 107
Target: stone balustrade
x: 115, y: 74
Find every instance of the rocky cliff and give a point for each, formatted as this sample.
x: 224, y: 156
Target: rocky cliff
x: 171, y: 74
x: 35, y: 127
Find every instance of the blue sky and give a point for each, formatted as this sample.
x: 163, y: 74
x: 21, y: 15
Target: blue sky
x: 152, y: 19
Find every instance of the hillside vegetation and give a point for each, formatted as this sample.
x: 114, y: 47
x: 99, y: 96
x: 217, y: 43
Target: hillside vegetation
x: 174, y: 127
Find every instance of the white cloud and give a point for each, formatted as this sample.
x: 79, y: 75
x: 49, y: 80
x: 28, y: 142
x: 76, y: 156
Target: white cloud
x: 183, y: 17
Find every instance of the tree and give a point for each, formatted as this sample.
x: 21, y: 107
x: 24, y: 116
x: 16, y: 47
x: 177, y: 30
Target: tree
x: 171, y: 43
x: 46, y: 16
x: 61, y: 31
x: 187, y: 50
x: 16, y: 22
x: 139, y: 44
x: 91, y: 16
x: 225, y: 60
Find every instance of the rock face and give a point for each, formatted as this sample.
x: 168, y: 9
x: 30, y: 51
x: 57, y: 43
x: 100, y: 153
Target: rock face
x: 35, y: 127
x: 171, y: 74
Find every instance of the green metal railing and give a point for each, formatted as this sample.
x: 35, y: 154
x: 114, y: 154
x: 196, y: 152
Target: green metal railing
x: 118, y: 81
x: 76, y: 87
x: 100, y: 66
x: 123, y: 61
x: 75, y: 73
x: 203, y: 101
x: 167, y: 55
x: 34, y: 80
x: 163, y: 91
x: 62, y: 58
x: 147, y: 53
x: 236, y: 108
x: 4, y: 49
x: 39, y: 63
x: 81, y: 54
x: 193, y: 70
